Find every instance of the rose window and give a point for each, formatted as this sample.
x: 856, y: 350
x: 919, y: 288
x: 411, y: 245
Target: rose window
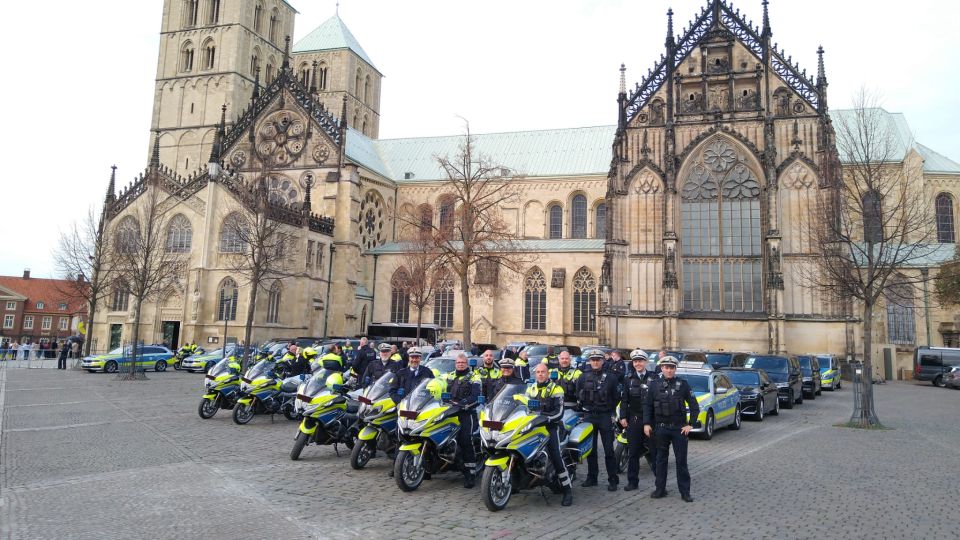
x: 281, y: 189
x: 371, y: 221
x: 281, y: 138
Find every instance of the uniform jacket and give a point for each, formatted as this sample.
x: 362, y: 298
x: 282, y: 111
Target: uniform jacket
x: 665, y: 403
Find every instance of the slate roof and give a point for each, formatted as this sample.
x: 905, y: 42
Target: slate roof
x: 937, y: 163
x: 331, y: 35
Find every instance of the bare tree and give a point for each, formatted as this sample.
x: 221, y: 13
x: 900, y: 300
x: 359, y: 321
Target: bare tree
x: 471, y: 237
x: 947, y: 282
x: 139, y: 258
x: 262, y: 247
x: 82, y: 250
x: 873, y: 224
x: 421, y: 275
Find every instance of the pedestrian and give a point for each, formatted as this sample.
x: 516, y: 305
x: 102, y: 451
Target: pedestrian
x: 3, y: 349
x: 597, y: 392
x: 665, y: 419
x: 34, y: 351
x: 13, y: 350
x: 635, y: 388
x: 62, y: 358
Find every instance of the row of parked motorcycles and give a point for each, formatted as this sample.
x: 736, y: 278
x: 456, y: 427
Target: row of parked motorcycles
x: 419, y: 433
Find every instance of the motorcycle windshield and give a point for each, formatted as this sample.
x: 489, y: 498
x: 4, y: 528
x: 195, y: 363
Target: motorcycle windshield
x: 262, y: 368
x: 503, y: 404
x: 381, y: 388
x: 420, y: 397
x: 317, y: 383
x: 222, y: 368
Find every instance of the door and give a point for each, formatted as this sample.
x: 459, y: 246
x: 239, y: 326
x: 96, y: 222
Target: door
x: 116, y: 331
x: 171, y: 334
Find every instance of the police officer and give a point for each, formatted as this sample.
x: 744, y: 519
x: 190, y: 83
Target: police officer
x: 463, y: 385
x: 567, y: 377
x: 522, y: 365
x: 378, y: 367
x: 365, y: 355
x: 665, y: 419
x: 397, y: 357
x: 597, y: 392
x: 333, y: 360
x: 488, y: 372
x: 550, y: 396
x: 292, y: 364
x: 551, y: 359
x: 615, y: 364
x: 508, y: 375
x: 409, y: 377
x: 635, y: 387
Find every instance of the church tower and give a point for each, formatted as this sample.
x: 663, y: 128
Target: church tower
x: 212, y: 53
x: 331, y: 62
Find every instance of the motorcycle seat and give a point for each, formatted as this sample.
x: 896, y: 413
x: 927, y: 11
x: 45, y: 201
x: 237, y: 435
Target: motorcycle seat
x: 289, y: 387
x: 352, y: 406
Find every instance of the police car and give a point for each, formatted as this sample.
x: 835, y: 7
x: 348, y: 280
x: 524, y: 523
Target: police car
x: 149, y: 357
x: 719, y: 399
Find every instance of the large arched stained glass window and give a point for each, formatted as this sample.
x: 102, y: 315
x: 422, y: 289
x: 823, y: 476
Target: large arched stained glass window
x: 945, y: 223
x: 584, y: 301
x: 273, y: 303
x: 901, y: 324
x: 229, y: 293
x: 872, y: 219
x: 601, y: 225
x: 179, y: 235
x: 399, y: 297
x: 578, y: 217
x: 556, y: 222
x: 443, y: 300
x: 535, y: 301
x: 720, y: 223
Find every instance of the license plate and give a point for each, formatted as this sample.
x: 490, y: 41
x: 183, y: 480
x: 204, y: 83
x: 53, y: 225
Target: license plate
x: 412, y: 415
x: 364, y: 400
x: 302, y: 397
x: 490, y: 424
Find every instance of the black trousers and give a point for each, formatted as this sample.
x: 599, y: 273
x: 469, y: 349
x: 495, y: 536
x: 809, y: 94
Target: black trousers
x: 553, y: 450
x: 663, y: 437
x: 62, y: 362
x: 468, y: 422
x: 602, y: 427
x: 636, y: 444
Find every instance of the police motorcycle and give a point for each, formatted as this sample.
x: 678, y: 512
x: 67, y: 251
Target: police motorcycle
x: 182, y: 354
x: 514, y: 434
x: 378, y: 417
x: 222, y: 385
x: 329, y: 412
x: 427, y: 429
x: 262, y: 391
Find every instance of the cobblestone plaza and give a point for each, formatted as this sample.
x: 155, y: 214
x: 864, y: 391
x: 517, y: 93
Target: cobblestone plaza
x: 85, y: 456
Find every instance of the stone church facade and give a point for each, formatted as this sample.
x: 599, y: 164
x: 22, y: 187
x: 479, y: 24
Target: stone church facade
x: 682, y: 225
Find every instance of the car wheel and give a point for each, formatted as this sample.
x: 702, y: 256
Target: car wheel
x: 110, y: 367
x: 790, y: 401
x: 709, y: 427
x: 776, y: 407
x: 737, y: 419
x: 812, y: 395
x: 759, y: 415
x: 161, y: 365
x: 938, y: 381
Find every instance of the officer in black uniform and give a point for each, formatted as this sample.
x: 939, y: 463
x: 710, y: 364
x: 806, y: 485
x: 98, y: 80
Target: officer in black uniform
x: 635, y: 387
x: 378, y: 367
x: 616, y: 365
x: 409, y: 377
x: 364, y: 356
x: 665, y: 419
x: 463, y: 385
x: 597, y: 391
x: 508, y: 375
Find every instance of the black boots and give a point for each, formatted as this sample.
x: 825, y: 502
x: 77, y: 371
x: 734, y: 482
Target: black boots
x: 468, y: 480
x: 567, y: 496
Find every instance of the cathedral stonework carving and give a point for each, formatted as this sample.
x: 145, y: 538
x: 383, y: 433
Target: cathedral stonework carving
x: 281, y: 137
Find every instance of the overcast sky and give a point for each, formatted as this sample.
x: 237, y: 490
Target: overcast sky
x: 79, y: 89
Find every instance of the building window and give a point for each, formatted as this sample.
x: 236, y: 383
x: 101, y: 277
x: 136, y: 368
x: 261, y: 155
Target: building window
x: 254, y: 64
x: 11, y: 306
x: 600, y: 228
x: 720, y: 224
x: 399, y: 297
x: 556, y: 221
x: 231, y: 235
x: 227, y: 310
x: 41, y: 305
x: 322, y: 78
x: 28, y: 322
x: 128, y: 235
x: 488, y: 272
x: 443, y: 300
x: 535, y: 301
x: 901, y: 326
x: 446, y: 215
x: 190, y: 13
x: 274, y: 26
x: 121, y: 298
x: 258, y: 18
x: 578, y: 217
x: 945, y: 225
x: 214, y: 15
x: 872, y: 224
x: 426, y: 220
x: 269, y: 75
x: 305, y: 75
x: 209, y: 56
x: 309, y: 253
x: 64, y: 324
x: 7, y: 322
x: 319, y: 255
x: 186, y: 57
x: 367, y: 90
x: 62, y: 306
x: 584, y: 301
x: 46, y: 323
x: 179, y: 235
x: 273, y: 304
x: 356, y: 84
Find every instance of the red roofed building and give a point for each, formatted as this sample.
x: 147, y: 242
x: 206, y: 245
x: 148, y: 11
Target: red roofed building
x: 39, y: 310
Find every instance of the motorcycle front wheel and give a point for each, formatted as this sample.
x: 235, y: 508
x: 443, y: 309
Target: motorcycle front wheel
x: 298, y: 445
x: 177, y: 366
x: 290, y: 414
x: 496, y: 488
x: 208, y: 408
x: 362, y: 453
x: 243, y: 413
x: 406, y: 472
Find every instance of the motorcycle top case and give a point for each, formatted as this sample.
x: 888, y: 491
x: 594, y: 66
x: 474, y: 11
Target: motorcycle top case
x: 580, y: 442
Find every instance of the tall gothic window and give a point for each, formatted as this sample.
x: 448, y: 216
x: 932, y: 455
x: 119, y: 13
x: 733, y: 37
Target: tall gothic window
x: 128, y: 235
x: 584, y: 301
x: 190, y: 12
x: 186, y: 57
x: 901, y: 326
x: 258, y: 18
x: 305, y: 75
x: 209, y: 56
x: 356, y: 85
x: 121, y: 297
x: 366, y: 90
x: 872, y: 224
x: 273, y: 303
x: 578, y: 217
x: 179, y: 235
x: 254, y: 64
x: 227, y: 296
x: 720, y: 223
x: 601, y: 221
x: 443, y: 300
x: 446, y: 215
x: 426, y: 220
x: 231, y: 237
x: 213, y: 17
x: 399, y: 297
x: 274, y: 25
x: 535, y: 301
x: 555, y: 216
x: 322, y: 78
x: 945, y: 223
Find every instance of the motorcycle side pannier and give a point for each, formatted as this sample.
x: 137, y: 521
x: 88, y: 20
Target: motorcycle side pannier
x: 580, y: 442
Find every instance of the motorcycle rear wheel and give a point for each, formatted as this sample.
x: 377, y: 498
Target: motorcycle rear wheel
x: 243, y: 413
x: 407, y: 475
x: 362, y: 453
x: 208, y: 408
x: 621, y: 454
x: 298, y: 445
x: 496, y: 488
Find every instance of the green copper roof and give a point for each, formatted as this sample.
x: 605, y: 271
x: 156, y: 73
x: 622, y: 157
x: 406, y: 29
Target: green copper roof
x: 330, y: 35
x: 937, y: 163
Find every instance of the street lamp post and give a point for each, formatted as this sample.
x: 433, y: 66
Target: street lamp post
x: 605, y: 298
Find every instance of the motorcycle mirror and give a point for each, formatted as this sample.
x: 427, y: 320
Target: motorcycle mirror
x: 445, y: 396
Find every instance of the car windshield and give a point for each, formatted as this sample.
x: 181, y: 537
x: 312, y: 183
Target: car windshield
x: 825, y: 363
x: 442, y: 364
x: 218, y: 352
x: 420, y: 396
x: 262, y: 368
x: 698, y: 383
x: 743, y: 378
x: 805, y: 364
x: 118, y: 350
x: 720, y: 359
x: 537, y: 350
x: 772, y: 364
x: 221, y: 368
x: 381, y: 388
x: 503, y: 403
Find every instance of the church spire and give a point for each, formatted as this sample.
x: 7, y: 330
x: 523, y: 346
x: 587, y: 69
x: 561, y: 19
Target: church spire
x: 111, y: 187
x: 669, y: 42
x: 217, y: 149
x: 155, y: 155
x: 623, y: 79
x: 821, y: 80
x: 286, y: 53
x: 256, y: 81
x: 313, y: 78
x: 766, y: 21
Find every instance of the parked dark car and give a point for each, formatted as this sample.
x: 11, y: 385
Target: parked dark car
x: 810, y: 372
x: 536, y: 353
x: 758, y: 394
x: 722, y: 359
x: 784, y: 371
x: 933, y: 363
